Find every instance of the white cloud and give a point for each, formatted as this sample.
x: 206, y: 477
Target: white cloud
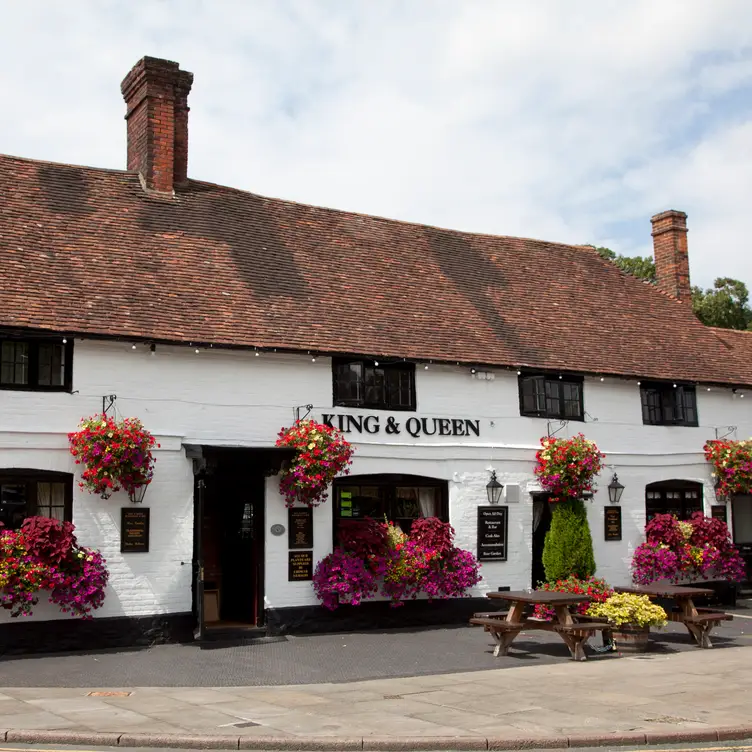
x: 567, y: 121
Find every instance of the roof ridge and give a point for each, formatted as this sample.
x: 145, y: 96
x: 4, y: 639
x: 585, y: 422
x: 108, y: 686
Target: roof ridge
x: 49, y: 162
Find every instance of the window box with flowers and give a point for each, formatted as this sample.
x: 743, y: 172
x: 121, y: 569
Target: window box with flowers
x: 322, y: 453
x: 116, y: 455
x: 697, y: 549
x: 567, y: 469
x: 44, y: 556
x: 377, y: 558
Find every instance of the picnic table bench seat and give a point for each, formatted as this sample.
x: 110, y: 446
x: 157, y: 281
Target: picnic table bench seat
x: 490, y: 615
x: 501, y: 630
x: 582, y: 626
x: 709, y: 616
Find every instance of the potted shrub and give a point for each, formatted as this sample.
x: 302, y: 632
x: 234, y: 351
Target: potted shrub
x: 632, y: 616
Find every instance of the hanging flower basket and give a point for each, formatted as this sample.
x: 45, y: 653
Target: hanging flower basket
x: 322, y: 454
x: 732, y: 466
x: 116, y: 455
x: 567, y: 467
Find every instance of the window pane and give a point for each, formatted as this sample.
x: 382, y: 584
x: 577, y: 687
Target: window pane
x: 358, y: 502
x: 553, y: 403
x: 400, y: 386
x: 533, y: 395
x: 51, y: 365
x: 51, y: 500
x: 375, y: 387
x: 572, y: 399
x: 688, y: 399
x: 14, y: 363
x: 406, y: 504
x: 348, y: 383
x: 652, y: 413
x: 13, y: 498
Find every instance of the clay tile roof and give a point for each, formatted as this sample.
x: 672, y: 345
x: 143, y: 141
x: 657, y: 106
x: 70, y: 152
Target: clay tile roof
x: 88, y: 251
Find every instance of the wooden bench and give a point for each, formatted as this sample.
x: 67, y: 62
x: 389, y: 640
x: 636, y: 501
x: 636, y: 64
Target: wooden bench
x: 491, y: 615
x: 577, y: 634
x: 701, y: 625
x: 501, y: 630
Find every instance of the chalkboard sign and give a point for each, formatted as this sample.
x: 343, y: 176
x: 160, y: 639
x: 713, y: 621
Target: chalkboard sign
x: 300, y: 527
x: 612, y: 523
x: 718, y: 511
x: 492, y: 533
x: 134, y: 530
x: 300, y: 566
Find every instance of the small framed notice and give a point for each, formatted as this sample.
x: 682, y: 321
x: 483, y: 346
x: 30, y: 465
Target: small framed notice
x: 300, y: 527
x: 492, y: 533
x: 300, y: 566
x: 134, y: 530
x: 718, y: 512
x: 612, y: 523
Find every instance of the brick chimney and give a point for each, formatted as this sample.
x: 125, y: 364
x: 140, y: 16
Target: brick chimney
x: 156, y: 96
x: 670, y: 251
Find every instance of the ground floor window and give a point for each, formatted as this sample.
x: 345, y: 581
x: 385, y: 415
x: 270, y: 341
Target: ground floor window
x: 741, y: 515
x: 678, y: 497
x: 25, y: 493
x: 397, y: 498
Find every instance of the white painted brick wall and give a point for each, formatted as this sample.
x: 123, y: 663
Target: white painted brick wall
x: 234, y: 398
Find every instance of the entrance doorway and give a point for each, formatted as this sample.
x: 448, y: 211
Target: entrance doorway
x: 541, y: 525
x: 229, y: 503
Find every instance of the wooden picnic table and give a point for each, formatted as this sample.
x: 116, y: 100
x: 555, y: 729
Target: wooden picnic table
x: 574, y: 630
x: 698, y: 621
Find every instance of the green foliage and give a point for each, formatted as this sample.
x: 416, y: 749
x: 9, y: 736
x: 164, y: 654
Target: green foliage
x: 568, y: 549
x: 725, y: 305
x: 642, y: 267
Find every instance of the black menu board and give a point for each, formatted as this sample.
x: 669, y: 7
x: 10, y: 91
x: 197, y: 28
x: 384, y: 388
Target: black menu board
x: 492, y: 533
x: 612, y: 523
x: 300, y: 566
x: 300, y: 527
x: 134, y: 530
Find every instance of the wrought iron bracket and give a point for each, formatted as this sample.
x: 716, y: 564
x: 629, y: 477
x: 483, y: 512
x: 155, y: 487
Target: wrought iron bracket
x: 728, y: 429
x: 589, y: 418
x: 562, y: 425
x: 296, y: 411
x: 108, y: 403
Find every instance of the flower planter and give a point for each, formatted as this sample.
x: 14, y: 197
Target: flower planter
x: 629, y: 638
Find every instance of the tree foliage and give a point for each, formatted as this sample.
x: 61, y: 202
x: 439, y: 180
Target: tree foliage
x: 725, y: 305
x: 568, y: 549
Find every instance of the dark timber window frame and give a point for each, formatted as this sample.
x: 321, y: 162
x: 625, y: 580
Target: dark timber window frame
x: 378, y: 496
x: 29, y: 358
x: 678, y: 497
x: 357, y: 383
x: 664, y: 404
x: 551, y: 396
x: 30, y: 485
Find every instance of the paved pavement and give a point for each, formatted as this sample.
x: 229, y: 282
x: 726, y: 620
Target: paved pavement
x: 330, y: 658
x: 671, y: 689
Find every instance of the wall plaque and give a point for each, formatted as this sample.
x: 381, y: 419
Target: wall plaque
x: 300, y: 566
x: 134, y: 530
x: 718, y: 512
x: 612, y: 523
x: 492, y: 533
x: 300, y: 525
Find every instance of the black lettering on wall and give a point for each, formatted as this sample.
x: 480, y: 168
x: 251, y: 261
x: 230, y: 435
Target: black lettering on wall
x: 355, y: 421
x: 472, y: 426
x: 412, y: 426
x: 371, y: 424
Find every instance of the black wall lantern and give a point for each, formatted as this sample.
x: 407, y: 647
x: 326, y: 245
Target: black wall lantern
x: 136, y: 493
x: 494, y: 489
x: 615, y: 490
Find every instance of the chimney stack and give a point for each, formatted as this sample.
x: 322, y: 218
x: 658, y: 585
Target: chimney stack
x: 670, y: 251
x: 156, y: 97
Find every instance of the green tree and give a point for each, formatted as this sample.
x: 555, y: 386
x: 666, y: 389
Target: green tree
x: 568, y: 548
x: 725, y: 305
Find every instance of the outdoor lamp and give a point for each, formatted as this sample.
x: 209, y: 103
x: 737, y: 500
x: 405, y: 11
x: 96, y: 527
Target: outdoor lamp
x: 494, y: 489
x: 615, y: 490
x: 136, y: 493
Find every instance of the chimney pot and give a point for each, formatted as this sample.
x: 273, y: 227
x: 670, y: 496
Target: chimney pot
x: 156, y: 96
x: 671, y: 253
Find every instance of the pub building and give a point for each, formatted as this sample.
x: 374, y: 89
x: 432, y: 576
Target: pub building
x: 217, y: 317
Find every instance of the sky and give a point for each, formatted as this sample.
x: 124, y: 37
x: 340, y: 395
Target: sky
x: 565, y: 121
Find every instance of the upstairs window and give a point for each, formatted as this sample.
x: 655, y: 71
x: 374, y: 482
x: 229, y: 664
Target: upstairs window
x: 26, y: 493
x: 668, y: 405
x: 35, y: 364
x: 362, y: 383
x: 551, y: 397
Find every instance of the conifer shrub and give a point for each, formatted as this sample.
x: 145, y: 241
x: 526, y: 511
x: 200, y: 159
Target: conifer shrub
x: 568, y: 549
